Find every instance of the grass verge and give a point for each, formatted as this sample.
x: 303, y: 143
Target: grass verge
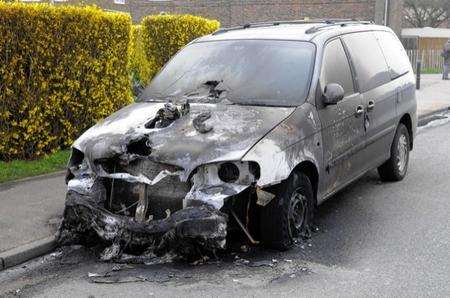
x: 17, y: 169
x: 430, y: 70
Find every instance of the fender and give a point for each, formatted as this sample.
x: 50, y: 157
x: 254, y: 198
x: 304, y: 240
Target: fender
x: 295, y: 140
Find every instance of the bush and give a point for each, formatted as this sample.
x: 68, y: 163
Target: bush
x: 61, y: 70
x: 141, y: 68
x: 164, y: 35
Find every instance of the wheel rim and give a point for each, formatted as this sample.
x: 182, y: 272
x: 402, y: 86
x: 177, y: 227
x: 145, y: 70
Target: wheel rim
x: 402, y: 150
x: 297, y: 213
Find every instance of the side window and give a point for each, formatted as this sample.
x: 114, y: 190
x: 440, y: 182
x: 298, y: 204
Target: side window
x: 370, y: 65
x: 395, y: 54
x: 335, y: 67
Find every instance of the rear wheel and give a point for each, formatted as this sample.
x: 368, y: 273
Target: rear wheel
x: 396, y: 167
x: 289, y: 215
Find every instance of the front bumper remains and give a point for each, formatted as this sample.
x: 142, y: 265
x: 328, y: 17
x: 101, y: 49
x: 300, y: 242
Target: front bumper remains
x: 147, y: 215
x: 188, y: 233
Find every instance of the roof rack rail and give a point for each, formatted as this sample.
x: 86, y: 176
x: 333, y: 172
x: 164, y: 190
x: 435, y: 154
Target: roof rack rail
x: 341, y: 24
x: 325, y: 22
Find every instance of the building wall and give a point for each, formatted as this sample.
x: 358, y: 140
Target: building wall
x: 238, y: 12
x: 395, y: 15
x: 391, y: 16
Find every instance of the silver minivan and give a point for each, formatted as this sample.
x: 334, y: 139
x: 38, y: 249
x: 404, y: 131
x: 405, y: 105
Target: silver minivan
x: 243, y: 132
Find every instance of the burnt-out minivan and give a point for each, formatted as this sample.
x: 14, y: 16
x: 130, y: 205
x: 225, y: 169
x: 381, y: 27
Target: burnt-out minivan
x: 244, y: 131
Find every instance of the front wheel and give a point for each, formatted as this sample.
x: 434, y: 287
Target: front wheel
x: 396, y: 167
x: 289, y: 214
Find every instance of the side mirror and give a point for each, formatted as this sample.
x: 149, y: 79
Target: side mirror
x: 332, y: 94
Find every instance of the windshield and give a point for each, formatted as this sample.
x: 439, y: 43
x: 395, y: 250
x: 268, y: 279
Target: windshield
x: 254, y: 72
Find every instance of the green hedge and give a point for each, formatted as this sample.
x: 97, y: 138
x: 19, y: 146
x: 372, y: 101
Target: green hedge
x: 164, y: 35
x: 141, y: 68
x: 61, y: 70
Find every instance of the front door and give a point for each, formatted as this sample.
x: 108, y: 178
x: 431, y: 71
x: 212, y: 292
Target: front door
x: 343, y: 132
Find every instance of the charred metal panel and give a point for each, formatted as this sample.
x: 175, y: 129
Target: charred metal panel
x: 295, y: 140
x: 235, y: 129
x: 210, y: 189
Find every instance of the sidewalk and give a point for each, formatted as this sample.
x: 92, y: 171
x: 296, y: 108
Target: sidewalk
x: 30, y: 209
x: 434, y: 94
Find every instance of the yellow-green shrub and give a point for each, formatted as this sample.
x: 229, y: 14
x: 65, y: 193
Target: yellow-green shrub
x: 164, y: 35
x: 140, y: 67
x: 61, y: 70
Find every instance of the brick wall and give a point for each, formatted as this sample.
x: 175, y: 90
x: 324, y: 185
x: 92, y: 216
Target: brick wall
x: 236, y: 12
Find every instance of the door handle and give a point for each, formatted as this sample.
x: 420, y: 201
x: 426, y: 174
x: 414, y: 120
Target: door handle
x: 359, y: 110
x: 371, y: 105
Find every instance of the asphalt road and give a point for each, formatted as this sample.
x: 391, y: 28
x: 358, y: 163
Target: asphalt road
x: 374, y: 239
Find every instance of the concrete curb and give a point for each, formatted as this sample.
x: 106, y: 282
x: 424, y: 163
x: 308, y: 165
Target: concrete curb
x: 26, y: 252
x: 425, y: 118
x: 32, y: 178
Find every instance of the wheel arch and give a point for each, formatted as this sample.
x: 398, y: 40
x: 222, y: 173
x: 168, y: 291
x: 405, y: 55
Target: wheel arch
x: 407, y: 121
x: 309, y: 169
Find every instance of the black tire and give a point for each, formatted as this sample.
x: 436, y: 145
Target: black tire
x: 396, y: 167
x: 277, y: 229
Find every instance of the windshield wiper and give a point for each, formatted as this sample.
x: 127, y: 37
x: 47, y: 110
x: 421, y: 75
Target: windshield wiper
x: 213, y: 88
x: 211, y: 91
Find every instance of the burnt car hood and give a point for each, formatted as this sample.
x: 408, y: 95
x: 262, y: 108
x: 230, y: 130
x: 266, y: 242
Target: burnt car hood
x: 235, y: 129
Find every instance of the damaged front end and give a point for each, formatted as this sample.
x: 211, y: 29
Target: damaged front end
x: 155, y: 179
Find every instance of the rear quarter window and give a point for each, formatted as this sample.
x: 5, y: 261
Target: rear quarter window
x: 368, y: 60
x: 395, y: 54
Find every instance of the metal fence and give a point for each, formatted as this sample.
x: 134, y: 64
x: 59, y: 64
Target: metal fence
x: 431, y: 59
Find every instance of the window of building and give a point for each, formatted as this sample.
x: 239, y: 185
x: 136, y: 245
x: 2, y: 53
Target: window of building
x: 335, y: 67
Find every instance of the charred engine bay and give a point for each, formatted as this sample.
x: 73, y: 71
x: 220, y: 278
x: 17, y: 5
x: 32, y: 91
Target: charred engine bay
x: 133, y: 190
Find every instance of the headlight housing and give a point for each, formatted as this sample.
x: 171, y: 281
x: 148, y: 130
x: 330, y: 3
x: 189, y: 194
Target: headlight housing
x: 75, y: 162
x: 236, y: 172
x: 228, y: 172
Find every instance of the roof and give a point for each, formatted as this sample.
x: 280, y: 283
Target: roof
x: 287, y: 30
x: 426, y: 32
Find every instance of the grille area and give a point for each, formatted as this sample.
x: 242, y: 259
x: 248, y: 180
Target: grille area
x: 148, y: 168
x: 167, y: 194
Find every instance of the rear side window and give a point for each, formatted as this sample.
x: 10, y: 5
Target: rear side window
x: 395, y: 54
x: 335, y: 67
x: 369, y: 62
